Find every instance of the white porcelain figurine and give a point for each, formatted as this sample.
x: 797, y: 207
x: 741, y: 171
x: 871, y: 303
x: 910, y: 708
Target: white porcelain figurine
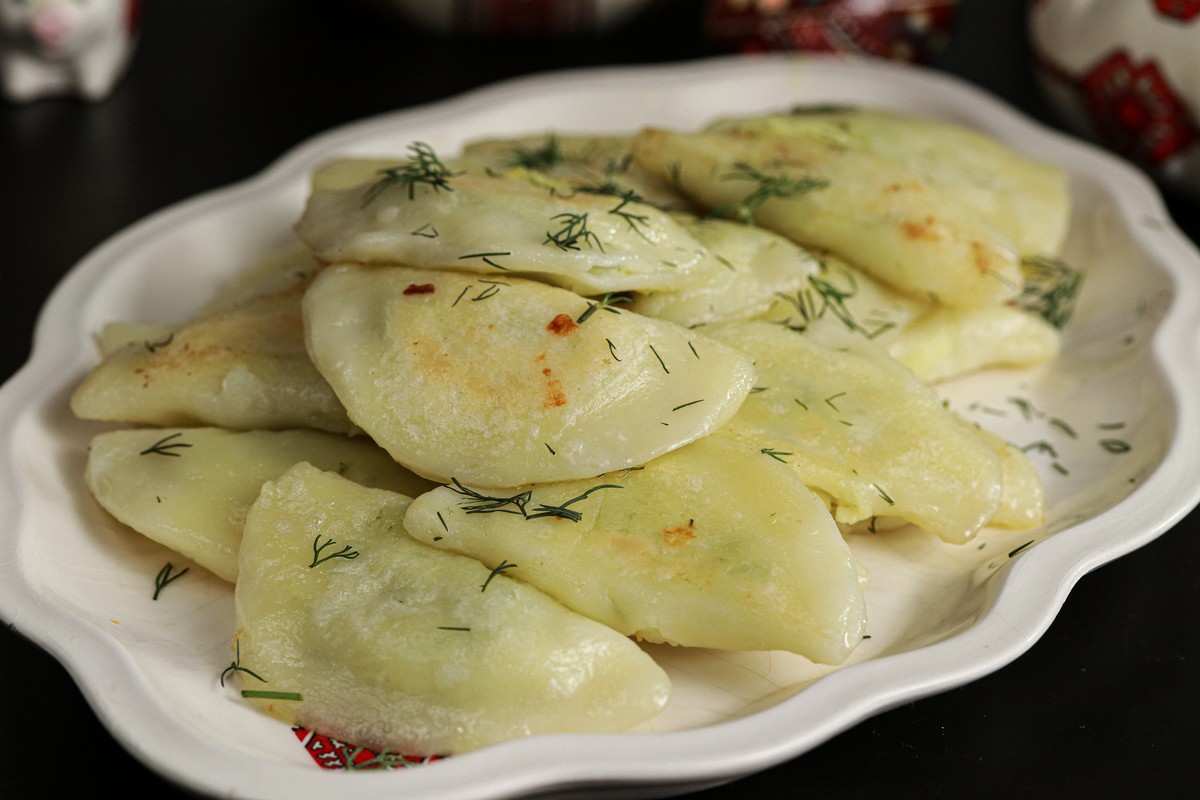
x: 65, y: 47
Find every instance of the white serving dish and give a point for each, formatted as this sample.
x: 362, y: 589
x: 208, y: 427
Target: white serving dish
x: 80, y: 585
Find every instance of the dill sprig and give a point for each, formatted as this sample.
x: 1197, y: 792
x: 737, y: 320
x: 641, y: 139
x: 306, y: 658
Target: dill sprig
x: 605, y: 303
x: 489, y: 258
x: 165, y: 446
x: 539, y: 159
x: 573, y: 232
x: 424, y: 168
x: 769, y: 187
x: 347, y: 552
x: 1051, y: 288
x: 477, y: 503
x: 165, y: 576
x: 501, y: 567
x: 474, y: 502
x: 569, y: 513
x: 636, y: 222
x: 775, y: 454
x: 822, y: 296
x: 269, y: 695
x: 236, y: 665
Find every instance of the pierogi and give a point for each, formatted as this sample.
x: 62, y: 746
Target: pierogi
x: 244, y: 368
x: 892, y: 213
x: 190, y: 488
x: 863, y: 431
x: 391, y: 644
x: 1024, y: 199
x: 460, y: 216
x: 715, y: 544
x: 500, y: 383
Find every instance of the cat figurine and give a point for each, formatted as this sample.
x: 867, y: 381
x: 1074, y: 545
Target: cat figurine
x: 65, y: 47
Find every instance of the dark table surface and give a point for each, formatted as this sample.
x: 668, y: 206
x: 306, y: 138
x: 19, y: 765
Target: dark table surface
x: 1104, y: 705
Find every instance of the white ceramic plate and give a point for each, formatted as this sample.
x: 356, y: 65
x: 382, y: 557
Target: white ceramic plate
x: 80, y: 585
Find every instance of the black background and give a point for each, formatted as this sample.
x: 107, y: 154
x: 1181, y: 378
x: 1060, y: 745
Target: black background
x: 1104, y: 705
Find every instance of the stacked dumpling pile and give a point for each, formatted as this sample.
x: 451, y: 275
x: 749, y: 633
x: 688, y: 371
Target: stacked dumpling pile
x: 498, y: 418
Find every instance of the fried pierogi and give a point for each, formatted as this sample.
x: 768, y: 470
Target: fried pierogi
x: 903, y: 216
x: 499, y: 383
x: 244, y: 368
x: 460, y: 216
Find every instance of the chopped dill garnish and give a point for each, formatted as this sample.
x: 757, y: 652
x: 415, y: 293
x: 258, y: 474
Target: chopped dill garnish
x: 775, y: 454
x: 1024, y: 406
x: 1050, y: 290
x: 347, y: 552
x: 689, y: 403
x: 474, y: 502
x: 574, y: 231
x: 165, y: 576
x: 1064, y: 427
x: 503, y: 565
x: 493, y: 288
x: 477, y: 503
x: 1041, y: 447
x: 661, y: 363
x: 605, y: 303
x: 1115, y: 445
x: 236, y: 665
x: 489, y: 258
x: 822, y: 296
x: 162, y: 448
x: 634, y: 221
x: 1018, y: 549
x: 612, y: 350
x: 769, y: 187
x: 265, y: 695
x: 570, y: 513
x: 423, y: 168
x: 541, y: 158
